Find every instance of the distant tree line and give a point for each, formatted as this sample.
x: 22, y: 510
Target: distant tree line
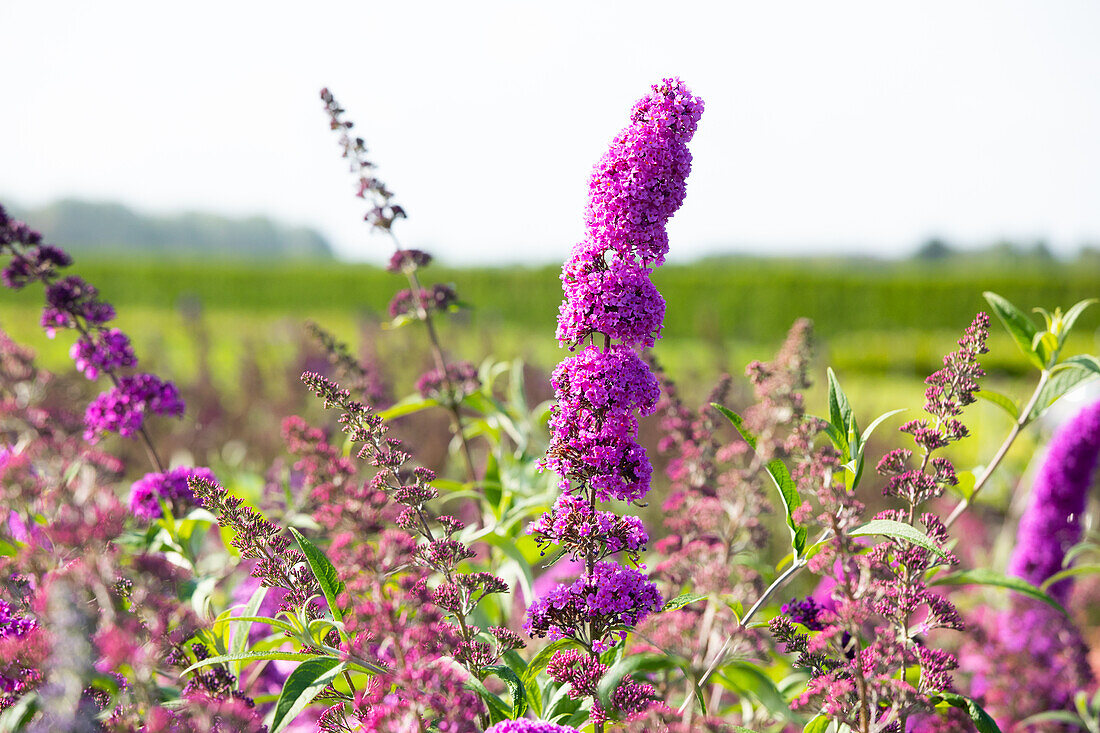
x: 111, y: 229
x: 1002, y: 252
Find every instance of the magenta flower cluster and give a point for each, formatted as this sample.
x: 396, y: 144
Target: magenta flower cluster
x: 587, y: 532
x: 601, y: 391
x: 612, y: 595
x: 122, y: 408
x: 594, y: 425
x: 103, y: 350
x: 530, y: 726
x: 146, y: 492
x: 635, y: 188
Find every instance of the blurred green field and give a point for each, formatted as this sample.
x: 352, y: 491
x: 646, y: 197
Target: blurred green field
x: 883, y: 328
x: 875, y: 318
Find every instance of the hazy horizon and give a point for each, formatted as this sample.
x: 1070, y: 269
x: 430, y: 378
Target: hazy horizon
x: 857, y: 128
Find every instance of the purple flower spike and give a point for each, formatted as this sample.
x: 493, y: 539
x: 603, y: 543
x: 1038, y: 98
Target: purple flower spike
x: 1052, y: 522
x: 641, y: 181
x: 614, y: 298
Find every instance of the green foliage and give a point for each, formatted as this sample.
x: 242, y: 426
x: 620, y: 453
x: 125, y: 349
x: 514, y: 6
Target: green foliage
x: 981, y: 719
x: 323, y: 570
x: 897, y: 530
x: 781, y: 479
x: 989, y: 577
x: 301, y: 686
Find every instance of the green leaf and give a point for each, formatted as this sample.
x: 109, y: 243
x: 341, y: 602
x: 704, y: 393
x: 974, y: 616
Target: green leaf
x: 876, y: 422
x: 303, y: 684
x: 20, y: 713
x: 498, y: 709
x: 981, y: 719
x: 1061, y: 381
x: 781, y: 478
x: 985, y: 576
x: 407, y: 406
x: 1072, y: 314
x: 819, y: 724
x: 515, y: 684
x: 967, y: 481
x: 274, y: 622
x: 491, y: 485
x: 1019, y: 326
x: 682, y: 600
x: 240, y: 633
x: 1051, y: 716
x: 1086, y: 569
x: 628, y: 665
x: 534, y: 667
x: 253, y: 657
x: 1005, y: 402
x: 1082, y: 547
x: 752, y: 680
x: 331, y: 585
x: 839, y: 439
x: 1084, y: 361
x: 898, y: 530
x: 840, y: 411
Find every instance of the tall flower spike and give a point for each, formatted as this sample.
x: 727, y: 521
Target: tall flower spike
x: 1033, y: 658
x: 634, y: 189
x: 1052, y: 522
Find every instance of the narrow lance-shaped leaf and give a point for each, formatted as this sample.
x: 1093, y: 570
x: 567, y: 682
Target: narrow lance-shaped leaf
x: 897, y: 530
x: 781, y: 478
x: 1085, y: 361
x: 1060, y: 382
x: 303, y: 684
x: 682, y: 600
x: 240, y: 633
x: 515, y: 685
x: 498, y: 709
x: 1072, y: 315
x: 1005, y: 402
x: 984, y: 576
x: 840, y: 415
x: 331, y: 585
x: 628, y: 665
x: 1019, y: 326
x: 252, y: 657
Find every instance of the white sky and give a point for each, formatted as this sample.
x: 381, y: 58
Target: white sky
x: 852, y: 126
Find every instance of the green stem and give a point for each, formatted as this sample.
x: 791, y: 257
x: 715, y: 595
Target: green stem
x: 1021, y: 422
